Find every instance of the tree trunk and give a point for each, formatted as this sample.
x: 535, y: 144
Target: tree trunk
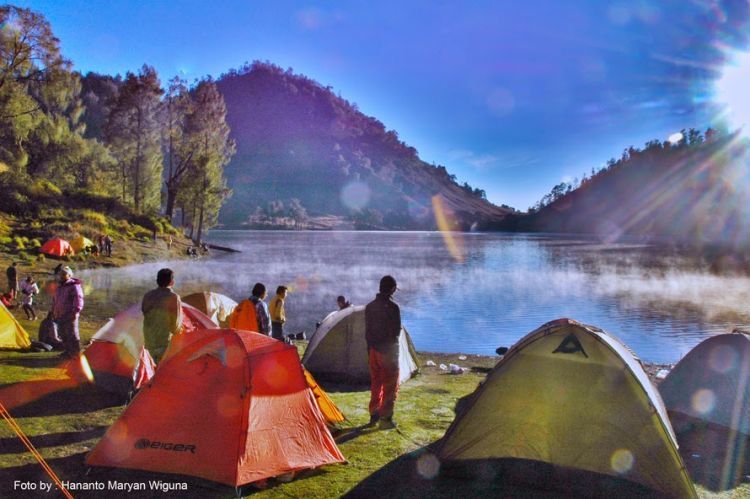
x: 171, y: 195
x: 200, y: 223
x: 137, y: 191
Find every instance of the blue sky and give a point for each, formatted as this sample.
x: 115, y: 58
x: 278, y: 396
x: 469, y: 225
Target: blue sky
x: 511, y: 96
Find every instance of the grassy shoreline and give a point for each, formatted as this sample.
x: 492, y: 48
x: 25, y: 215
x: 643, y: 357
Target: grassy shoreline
x: 65, y: 426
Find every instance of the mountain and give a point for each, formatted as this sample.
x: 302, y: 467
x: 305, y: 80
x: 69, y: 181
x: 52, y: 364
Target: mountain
x: 303, y: 150
x: 694, y: 191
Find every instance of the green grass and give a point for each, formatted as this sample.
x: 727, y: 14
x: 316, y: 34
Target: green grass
x: 380, y: 463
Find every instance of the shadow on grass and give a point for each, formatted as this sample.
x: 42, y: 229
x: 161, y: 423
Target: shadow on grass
x: 338, y: 387
x: 79, y: 400
x: 13, y: 445
x: 347, y: 434
x: 420, y: 474
x: 34, y: 361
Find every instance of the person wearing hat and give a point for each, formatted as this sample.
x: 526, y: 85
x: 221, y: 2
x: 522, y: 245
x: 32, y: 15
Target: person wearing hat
x: 67, y: 305
x: 162, y: 314
x: 382, y: 331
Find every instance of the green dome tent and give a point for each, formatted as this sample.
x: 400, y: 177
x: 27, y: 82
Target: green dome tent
x: 575, y: 398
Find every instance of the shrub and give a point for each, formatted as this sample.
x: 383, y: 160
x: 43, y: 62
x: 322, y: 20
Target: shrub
x: 5, y: 240
x: 41, y: 257
x: 35, y: 243
x: 94, y: 217
x: 24, y: 256
x: 44, y: 188
x: 18, y: 243
x: 5, y: 229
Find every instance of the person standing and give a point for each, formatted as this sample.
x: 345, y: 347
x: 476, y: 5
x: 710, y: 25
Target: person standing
x: 12, y: 273
x: 261, y: 309
x: 28, y: 290
x: 66, y: 307
x: 162, y: 314
x: 278, y: 314
x: 108, y: 245
x: 382, y: 331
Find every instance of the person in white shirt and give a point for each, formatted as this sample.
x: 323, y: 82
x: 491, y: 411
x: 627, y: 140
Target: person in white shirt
x: 28, y: 290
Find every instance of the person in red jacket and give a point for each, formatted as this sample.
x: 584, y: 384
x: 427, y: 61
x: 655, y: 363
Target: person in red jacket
x: 382, y: 331
x: 66, y: 307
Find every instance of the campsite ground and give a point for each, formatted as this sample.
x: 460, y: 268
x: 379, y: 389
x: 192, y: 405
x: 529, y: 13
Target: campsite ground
x: 125, y: 252
x: 66, y: 425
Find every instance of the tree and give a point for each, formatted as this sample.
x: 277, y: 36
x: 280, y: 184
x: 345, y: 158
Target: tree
x: 32, y: 80
x: 296, y: 211
x: 178, y: 146
x: 212, y: 149
x: 98, y: 93
x: 133, y: 133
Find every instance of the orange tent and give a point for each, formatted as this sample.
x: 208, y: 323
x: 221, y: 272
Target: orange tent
x: 232, y: 407
x: 57, y: 247
x: 332, y: 413
x: 117, y: 356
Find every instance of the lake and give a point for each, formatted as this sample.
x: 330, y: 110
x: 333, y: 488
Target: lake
x: 468, y: 292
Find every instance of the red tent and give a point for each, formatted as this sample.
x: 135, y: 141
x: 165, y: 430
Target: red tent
x: 117, y: 356
x: 232, y: 407
x: 57, y: 247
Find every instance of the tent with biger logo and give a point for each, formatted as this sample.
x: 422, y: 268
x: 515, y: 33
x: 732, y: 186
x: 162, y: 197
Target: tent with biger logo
x: 231, y: 407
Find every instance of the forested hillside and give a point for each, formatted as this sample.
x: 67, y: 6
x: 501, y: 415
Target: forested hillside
x: 694, y: 190
x: 303, y: 151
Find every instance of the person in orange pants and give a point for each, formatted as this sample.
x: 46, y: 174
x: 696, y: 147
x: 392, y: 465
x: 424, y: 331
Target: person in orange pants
x: 382, y: 331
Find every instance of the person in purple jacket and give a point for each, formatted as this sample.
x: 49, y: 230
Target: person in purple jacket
x: 66, y: 307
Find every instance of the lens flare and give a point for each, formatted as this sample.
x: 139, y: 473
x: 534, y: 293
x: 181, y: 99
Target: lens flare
x: 723, y: 359
x: 447, y: 224
x: 622, y: 461
x: 731, y: 90
x: 67, y: 375
x: 428, y: 466
x: 703, y: 401
x: 355, y: 195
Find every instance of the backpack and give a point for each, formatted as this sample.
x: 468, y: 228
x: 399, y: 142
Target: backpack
x: 244, y: 317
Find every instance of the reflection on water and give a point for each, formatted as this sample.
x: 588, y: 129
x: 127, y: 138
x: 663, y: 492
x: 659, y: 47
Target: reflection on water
x: 506, y: 286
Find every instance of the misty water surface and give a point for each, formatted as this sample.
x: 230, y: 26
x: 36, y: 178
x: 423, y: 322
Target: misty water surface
x: 491, y: 291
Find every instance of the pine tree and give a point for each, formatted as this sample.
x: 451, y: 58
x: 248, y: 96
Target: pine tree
x: 133, y: 133
x: 31, y: 70
x: 178, y: 147
x: 212, y: 149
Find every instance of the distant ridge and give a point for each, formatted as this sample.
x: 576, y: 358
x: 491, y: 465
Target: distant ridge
x: 695, y: 191
x: 304, y: 153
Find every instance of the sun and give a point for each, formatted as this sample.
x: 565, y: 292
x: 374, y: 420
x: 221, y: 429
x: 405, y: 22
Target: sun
x: 732, y: 90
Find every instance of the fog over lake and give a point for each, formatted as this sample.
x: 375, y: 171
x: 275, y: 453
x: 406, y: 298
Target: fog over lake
x: 466, y: 292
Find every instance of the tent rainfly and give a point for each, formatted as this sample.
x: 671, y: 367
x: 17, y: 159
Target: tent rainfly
x: 215, y: 305
x: 232, y: 407
x: 117, y: 356
x: 338, y: 349
x: 12, y: 335
x: 576, y: 398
